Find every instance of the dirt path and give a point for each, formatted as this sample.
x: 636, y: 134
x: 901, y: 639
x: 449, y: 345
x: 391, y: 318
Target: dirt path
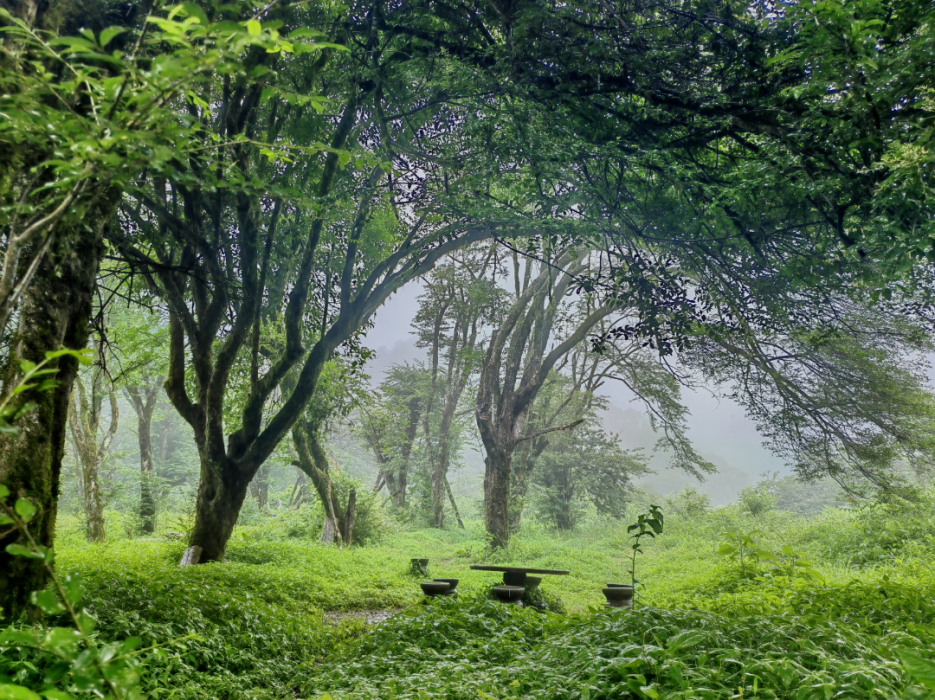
x: 369, y: 617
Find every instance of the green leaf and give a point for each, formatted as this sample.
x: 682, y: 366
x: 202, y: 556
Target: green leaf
x: 4, y: 492
x: 47, y: 601
x: 25, y: 509
x: 85, y: 357
x: 74, y: 589
x: 726, y: 550
x: 73, y: 43
x: 26, y: 366
x: 54, y: 694
x: 254, y: 28
x: 108, y: 34
x: 918, y: 667
x: 16, y: 692
x: 686, y: 639
x: 18, y: 550
x: 193, y: 10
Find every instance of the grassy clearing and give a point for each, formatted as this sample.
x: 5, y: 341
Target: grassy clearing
x: 259, y: 628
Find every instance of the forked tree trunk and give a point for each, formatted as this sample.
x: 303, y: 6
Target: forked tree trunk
x: 314, y: 462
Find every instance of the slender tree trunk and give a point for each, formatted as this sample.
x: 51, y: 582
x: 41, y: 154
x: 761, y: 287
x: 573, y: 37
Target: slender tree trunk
x: 414, y: 410
x: 93, y: 503
x: 144, y: 404
x: 438, y: 497
x: 349, y: 517
x: 259, y: 487
x: 454, y: 506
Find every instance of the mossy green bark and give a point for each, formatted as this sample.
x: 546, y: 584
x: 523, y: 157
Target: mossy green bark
x: 55, y: 313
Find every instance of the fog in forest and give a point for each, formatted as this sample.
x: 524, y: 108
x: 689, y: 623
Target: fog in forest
x: 718, y: 427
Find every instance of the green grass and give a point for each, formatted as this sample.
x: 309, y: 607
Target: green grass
x: 262, y: 623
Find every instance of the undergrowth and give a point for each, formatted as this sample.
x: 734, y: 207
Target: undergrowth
x: 271, y: 622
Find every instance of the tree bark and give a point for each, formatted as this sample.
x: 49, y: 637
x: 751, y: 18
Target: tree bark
x: 85, y: 415
x: 454, y: 506
x: 414, y: 413
x: 221, y: 493
x: 314, y: 462
x: 349, y: 517
x: 497, y: 496
x: 144, y: 404
x: 259, y: 487
x: 55, y: 313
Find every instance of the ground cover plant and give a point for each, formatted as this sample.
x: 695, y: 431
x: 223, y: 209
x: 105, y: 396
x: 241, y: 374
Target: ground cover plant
x: 280, y: 618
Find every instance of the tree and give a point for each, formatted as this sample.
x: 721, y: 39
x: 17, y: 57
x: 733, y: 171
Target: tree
x: 143, y: 398
x: 290, y: 236
x: 337, y: 395
x: 584, y: 466
x: 389, y: 425
x: 140, y: 341
x: 92, y: 441
x: 84, y: 115
x: 517, y: 364
x: 844, y: 397
x: 459, y: 300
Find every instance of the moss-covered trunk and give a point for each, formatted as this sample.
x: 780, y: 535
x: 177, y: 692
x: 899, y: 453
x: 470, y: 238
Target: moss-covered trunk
x: 220, y: 497
x: 498, y: 465
x: 55, y: 313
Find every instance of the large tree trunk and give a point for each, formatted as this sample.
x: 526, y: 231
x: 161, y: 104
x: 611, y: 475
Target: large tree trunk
x: 220, y: 497
x: 55, y: 313
x: 497, y: 470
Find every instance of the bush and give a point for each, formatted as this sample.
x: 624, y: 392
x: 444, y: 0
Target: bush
x: 689, y: 503
x: 756, y: 501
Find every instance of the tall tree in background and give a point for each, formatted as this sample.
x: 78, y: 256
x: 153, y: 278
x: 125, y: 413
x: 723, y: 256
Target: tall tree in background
x: 92, y: 440
x: 460, y: 299
x: 339, y: 392
x: 584, y: 467
x: 140, y: 341
x: 143, y: 396
x: 390, y: 424
x: 520, y: 355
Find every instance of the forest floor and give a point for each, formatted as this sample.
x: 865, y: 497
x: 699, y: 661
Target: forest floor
x: 287, y: 617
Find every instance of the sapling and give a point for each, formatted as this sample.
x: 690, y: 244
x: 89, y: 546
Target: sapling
x: 648, y: 524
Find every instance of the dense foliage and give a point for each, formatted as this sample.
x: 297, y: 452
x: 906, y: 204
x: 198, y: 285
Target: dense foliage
x: 277, y: 619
